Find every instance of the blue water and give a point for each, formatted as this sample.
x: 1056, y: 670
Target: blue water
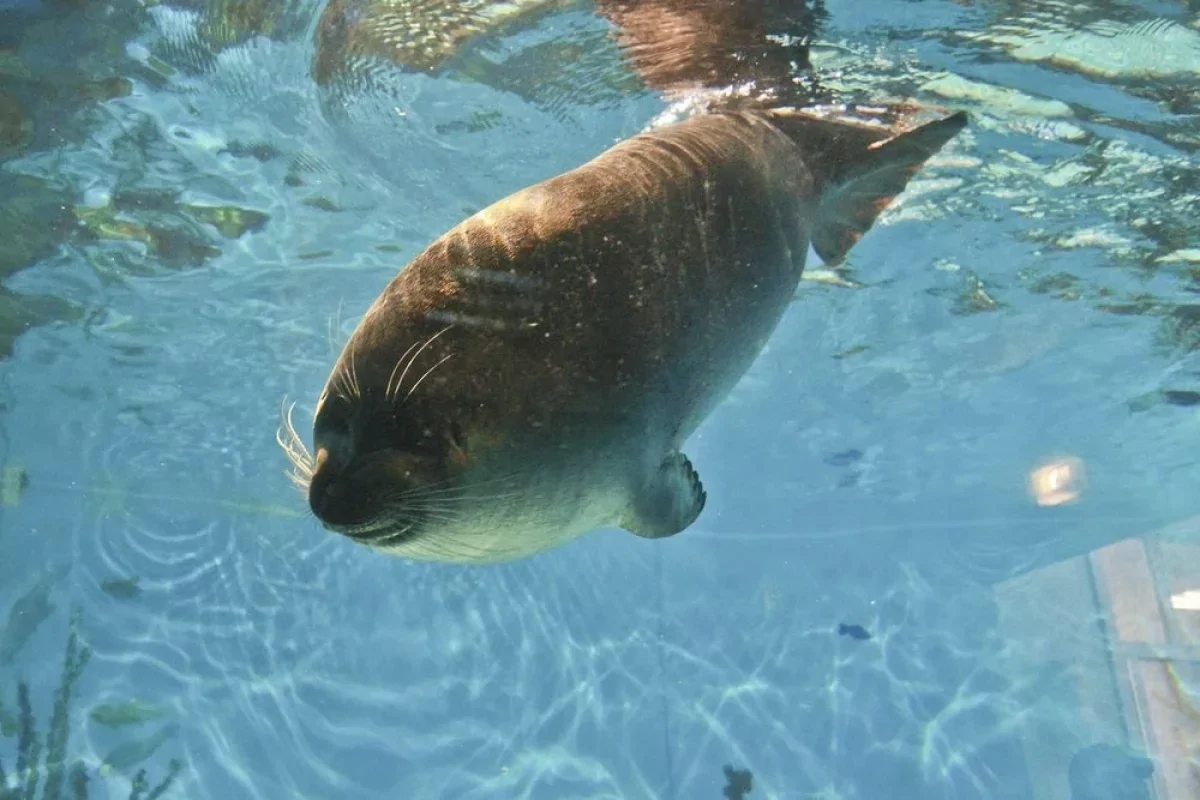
x: 1023, y: 302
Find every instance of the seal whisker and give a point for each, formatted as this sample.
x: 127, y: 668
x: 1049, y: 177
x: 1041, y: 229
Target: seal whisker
x: 302, y: 462
x: 392, y: 538
x: 439, y: 515
x: 435, y: 546
x: 462, y: 498
x: 443, y: 546
x: 360, y: 531
x: 405, y: 522
x: 340, y: 386
x: 401, y: 502
x: 413, y: 360
x: 389, y: 391
x: 445, y: 358
x: 345, y: 385
x: 398, y: 505
x: 334, y: 325
x: 355, y: 388
x: 456, y: 492
x: 451, y: 485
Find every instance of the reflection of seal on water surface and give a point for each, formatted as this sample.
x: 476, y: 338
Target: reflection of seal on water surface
x: 358, y: 37
x: 673, y: 46
x: 533, y: 373
x: 679, y: 46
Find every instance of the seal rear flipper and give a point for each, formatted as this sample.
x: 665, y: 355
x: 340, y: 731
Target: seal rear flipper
x: 853, y: 199
x: 859, y: 169
x: 668, y: 502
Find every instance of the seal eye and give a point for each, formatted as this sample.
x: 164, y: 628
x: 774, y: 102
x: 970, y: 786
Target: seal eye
x: 335, y: 419
x: 336, y: 425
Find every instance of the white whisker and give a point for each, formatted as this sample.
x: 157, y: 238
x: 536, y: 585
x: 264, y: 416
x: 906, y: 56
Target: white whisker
x: 413, y: 360
x: 334, y: 327
x: 355, y: 389
x: 432, y: 491
x: 302, y: 462
x: 388, y: 390
x: 445, y: 358
x: 462, y: 497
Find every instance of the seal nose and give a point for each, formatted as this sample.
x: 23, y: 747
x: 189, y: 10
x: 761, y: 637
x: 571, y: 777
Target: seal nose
x: 328, y: 494
x: 323, y: 497
x: 321, y: 489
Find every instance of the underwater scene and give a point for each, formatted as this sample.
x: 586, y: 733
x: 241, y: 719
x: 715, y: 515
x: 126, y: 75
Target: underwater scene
x: 606, y: 399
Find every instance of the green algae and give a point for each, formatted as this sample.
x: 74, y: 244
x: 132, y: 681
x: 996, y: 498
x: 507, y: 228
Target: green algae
x: 44, y: 761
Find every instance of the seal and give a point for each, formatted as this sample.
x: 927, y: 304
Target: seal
x: 533, y: 374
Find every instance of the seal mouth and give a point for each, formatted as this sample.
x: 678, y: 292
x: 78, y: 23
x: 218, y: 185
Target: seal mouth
x: 359, y: 531
x: 358, y: 511
x: 381, y: 499
x: 344, y: 496
x: 376, y: 534
x: 392, y: 538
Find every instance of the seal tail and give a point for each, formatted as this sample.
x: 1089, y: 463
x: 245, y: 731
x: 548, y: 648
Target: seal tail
x: 860, y: 171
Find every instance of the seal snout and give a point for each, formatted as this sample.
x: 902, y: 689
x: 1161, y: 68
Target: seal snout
x: 329, y: 493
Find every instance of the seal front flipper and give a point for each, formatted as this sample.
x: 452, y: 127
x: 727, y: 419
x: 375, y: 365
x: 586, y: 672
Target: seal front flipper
x: 669, y: 501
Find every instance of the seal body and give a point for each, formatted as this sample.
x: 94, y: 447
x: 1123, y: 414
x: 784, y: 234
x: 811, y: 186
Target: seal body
x: 533, y: 374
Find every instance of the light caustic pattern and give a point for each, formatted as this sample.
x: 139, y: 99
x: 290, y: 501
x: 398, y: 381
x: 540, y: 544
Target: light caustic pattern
x: 300, y: 665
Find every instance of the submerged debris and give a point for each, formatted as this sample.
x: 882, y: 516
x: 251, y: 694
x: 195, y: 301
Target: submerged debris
x: 16, y: 129
x: 739, y: 783
x: 844, y: 459
x: 857, y: 632
x: 13, y: 483
x: 121, y: 588
x: 28, y: 613
x: 1184, y: 398
x: 230, y: 221
x: 8, y: 723
x: 131, y: 712
x: 130, y: 754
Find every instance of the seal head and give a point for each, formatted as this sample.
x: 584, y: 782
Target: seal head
x: 383, y: 460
